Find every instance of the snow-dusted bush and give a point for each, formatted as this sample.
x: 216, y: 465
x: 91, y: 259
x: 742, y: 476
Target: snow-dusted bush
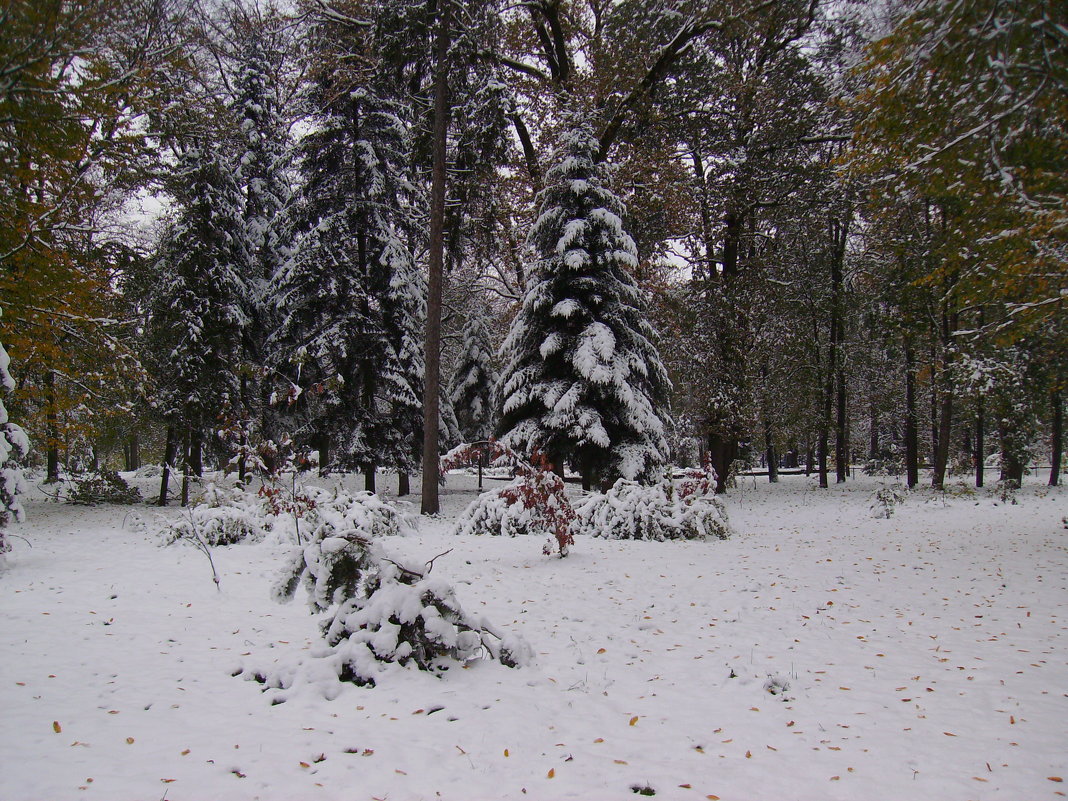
x: 632, y: 511
x: 888, y: 465
x: 532, y: 503
x: 225, y: 517
x: 104, y: 486
x: 334, y: 512
x: 886, y: 499
x: 384, y: 613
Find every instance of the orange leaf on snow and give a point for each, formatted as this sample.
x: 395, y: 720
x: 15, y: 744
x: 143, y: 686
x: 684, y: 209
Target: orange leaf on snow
x: 1055, y: 778
x: 634, y: 721
x: 551, y: 773
x: 56, y: 727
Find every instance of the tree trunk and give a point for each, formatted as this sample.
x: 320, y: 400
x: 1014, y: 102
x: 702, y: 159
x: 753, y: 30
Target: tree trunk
x: 324, y: 453
x: 133, y: 452
x: 1056, y: 440
x: 52, y: 418
x: 1012, y: 465
x: 873, y: 433
x: 721, y: 454
x: 839, y: 233
x: 369, y: 478
x: 169, y: 452
x: 945, y: 422
x: 912, y: 467
x: 430, y: 501
x: 404, y: 484
x: 185, y: 468
x: 770, y: 454
x: 196, y: 453
x: 980, y: 434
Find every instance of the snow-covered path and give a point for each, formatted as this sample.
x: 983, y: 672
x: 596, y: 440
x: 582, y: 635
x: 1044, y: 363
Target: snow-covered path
x: 919, y: 657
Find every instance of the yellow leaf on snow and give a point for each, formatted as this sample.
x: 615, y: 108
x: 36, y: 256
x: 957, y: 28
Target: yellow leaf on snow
x: 634, y: 721
x: 551, y: 773
x: 56, y: 727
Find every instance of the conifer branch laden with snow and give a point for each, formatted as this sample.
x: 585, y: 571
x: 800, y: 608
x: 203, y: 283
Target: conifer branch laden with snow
x: 584, y: 381
x: 380, y: 610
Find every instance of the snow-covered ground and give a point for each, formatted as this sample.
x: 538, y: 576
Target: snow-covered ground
x: 818, y: 654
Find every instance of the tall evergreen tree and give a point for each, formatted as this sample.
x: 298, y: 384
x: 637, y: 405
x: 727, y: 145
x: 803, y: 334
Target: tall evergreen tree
x: 473, y: 382
x: 261, y: 52
x: 351, y: 296
x: 197, y: 315
x: 584, y: 381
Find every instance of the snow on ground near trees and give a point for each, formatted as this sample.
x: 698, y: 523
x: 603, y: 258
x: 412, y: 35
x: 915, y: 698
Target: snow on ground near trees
x: 919, y: 657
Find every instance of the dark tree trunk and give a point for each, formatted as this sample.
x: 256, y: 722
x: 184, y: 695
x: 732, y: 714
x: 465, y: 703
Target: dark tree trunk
x: 980, y: 435
x: 186, y: 454
x: 721, y: 453
x: 196, y: 453
x: 170, y: 451
x: 839, y: 233
x: 841, y: 430
x: 369, y: 478
x: 945, y: 423
x: 430, y: 501
x: 873, y: 434
x: 404, y: 484
x: 1056, y: 440
x: 324, y: 453
x: 52, y: 423
x: 810, y: 463
x: 912, y: 466
x: 133, y: 452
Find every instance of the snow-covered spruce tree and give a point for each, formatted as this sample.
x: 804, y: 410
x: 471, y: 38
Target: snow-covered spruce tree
x: 13, y: 448
x: 263, y: 148
x: 196, y: 319
x: 473, y: 382
x: 584, y: 381
x: 350, y: 290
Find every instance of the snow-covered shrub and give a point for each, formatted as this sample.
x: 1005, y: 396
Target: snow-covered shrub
x: 224, y: 517
x: 532, y: 503
x: 887, y: 465
x: 886, y: 499
x: 632, y: 511
x: 383, y: 612
x: 334, y: 512
x: 103, y: 486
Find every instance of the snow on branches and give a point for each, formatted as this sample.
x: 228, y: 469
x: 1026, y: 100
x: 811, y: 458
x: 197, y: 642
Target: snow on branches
x: 631, y: 511
x: 380, y: 612
x: 534, y: 502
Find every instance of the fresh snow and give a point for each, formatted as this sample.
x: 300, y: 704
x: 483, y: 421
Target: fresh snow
x: 818, y: 654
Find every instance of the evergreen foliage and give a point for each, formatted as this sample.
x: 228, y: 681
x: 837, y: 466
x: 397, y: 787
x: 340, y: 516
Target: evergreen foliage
x: 197, y: 315
x: 583, y: 380
x: 473, y: 382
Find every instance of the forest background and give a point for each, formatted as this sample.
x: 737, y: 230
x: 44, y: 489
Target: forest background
x: 234, y: 233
